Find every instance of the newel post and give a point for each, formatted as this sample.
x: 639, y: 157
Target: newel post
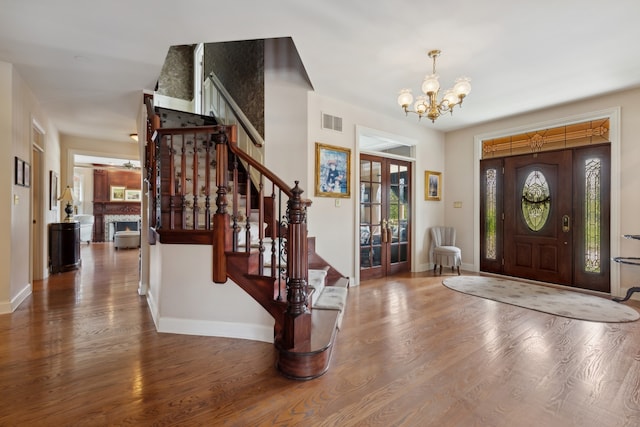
x: 221, y: 217
x: 297, y: 322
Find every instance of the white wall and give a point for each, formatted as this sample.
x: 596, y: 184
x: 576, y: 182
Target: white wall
x: 6, y: 190
x: 18, y: 109
x: 184, y: 300
x: 335, y: 227
x: 285, y: 110
x: 459, y: 180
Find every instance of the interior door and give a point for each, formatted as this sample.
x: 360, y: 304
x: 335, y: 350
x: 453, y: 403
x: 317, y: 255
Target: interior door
x: 538, y: 216
x: 385, y: 225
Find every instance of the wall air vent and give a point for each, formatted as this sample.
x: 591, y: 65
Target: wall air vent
x: 331, y: 122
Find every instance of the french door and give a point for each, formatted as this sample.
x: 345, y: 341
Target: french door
x: 545, y: 217
x: 385, y: 222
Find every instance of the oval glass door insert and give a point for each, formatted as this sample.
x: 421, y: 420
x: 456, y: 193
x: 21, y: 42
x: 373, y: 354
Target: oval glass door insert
x: 536, y: 200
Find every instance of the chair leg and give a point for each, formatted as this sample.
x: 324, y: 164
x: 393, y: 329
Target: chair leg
x: 440, y: 269
x: 434, y: 268
x: 458, y: 270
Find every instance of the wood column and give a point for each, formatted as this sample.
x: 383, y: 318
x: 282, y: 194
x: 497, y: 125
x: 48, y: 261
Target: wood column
x: 221, y: 228
x: 297, y: 322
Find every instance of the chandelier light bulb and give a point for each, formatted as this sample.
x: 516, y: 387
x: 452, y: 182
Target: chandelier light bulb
x: 462, y: 86
x: 421, y: 105
x: 430, y: 84
x: 429, y: 105
x: 405, y: 98
x: 450, y: 98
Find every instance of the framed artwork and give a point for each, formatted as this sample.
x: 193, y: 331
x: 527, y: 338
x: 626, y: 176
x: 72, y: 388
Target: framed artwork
x: 333, y: 171
x: 432, y: 185
x: 53, y: 191
x: 132, y: 195
x: 117, y: 193
x: 26, y: 174
x: 19, y: 171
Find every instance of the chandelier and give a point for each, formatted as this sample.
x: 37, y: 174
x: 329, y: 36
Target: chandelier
x: 428, y: 104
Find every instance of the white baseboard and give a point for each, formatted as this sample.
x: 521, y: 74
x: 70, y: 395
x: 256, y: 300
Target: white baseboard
x: 153, y: 307
x: 216, y: 329
x: 21, y: 296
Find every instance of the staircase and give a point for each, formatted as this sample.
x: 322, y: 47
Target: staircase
x: 205, y: 190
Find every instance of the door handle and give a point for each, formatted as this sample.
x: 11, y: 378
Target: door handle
x: 383, y: 231
x: 566, y: 223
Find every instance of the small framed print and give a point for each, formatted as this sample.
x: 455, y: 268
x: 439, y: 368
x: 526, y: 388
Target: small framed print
x: 117, y: 193
x: 432, y: 185
x: 132, y: 195
x: 53, y: 191
x: 26, y: 174
x: 19, y: 171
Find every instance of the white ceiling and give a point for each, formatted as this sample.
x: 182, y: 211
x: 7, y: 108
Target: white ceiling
x: 88, y: 61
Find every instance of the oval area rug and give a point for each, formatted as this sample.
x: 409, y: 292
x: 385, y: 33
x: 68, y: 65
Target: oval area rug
x: 546, y: 299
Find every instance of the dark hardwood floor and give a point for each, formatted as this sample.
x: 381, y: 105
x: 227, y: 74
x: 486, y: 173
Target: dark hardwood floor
x: 83, y: 350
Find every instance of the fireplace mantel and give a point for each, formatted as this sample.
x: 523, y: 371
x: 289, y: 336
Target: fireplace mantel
x: 103, y: 206
x: 104, y: 209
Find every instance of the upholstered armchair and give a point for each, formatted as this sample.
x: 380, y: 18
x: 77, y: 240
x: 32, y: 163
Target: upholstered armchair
x: 444, y: 250
x: 86, y: 227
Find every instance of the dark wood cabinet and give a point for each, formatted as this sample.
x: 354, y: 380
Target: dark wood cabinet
x: 64, y: 246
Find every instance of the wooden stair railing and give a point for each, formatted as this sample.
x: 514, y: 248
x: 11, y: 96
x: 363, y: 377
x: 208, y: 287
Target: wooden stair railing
x: 190, y: 166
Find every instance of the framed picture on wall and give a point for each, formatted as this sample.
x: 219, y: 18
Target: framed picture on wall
x: 26, y: 174
x: 19, y: 171
x: 117, y: 193
x: 432, y: 185
x: 333, y: 171
x: 53, y: 191
x: 132, y: 195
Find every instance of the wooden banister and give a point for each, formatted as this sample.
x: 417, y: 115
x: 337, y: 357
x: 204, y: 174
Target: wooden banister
x: 271, y: 264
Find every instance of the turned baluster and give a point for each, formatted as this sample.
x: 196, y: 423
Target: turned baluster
x: 172, y: 183
x: 194, y: 183
x: 183, y: 184
x: 207, y: 185
x: 275, y: 236
x: 236, y: 212
x: 157, y: 194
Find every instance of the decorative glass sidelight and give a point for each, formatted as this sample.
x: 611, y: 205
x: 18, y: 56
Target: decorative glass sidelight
x: 536, y: 200
x: 593, y: 172
x: 491, y: 212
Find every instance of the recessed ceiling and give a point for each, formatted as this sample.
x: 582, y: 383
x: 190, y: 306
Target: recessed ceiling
x: 89, y: 62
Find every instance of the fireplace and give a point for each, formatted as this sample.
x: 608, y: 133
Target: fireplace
x: 113, y: 223
x: 125, y: 226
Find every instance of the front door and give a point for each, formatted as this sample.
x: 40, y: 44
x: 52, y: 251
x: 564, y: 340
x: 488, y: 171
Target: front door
x: 385, y: 224
x: 538, y: 212
x: 546, y: 216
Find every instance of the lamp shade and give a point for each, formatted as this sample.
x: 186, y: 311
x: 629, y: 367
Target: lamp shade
x: 431, y: 84
x: 405, y: 98
x: 67, y: 195
x: 462, y: 86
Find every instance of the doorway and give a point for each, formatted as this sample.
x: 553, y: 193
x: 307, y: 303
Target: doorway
x: 37, y: 196
x: 385, y: 220
x: 546, y: 217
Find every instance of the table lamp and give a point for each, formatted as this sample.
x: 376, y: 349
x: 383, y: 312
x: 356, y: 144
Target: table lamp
x: 67, y: 197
